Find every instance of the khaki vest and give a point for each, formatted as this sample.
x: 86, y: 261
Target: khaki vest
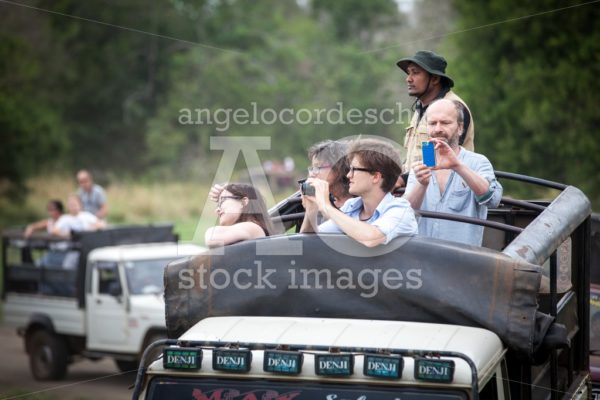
x: 417, y: 134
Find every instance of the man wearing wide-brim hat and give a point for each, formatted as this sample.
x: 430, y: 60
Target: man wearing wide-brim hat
x: 427, y: 81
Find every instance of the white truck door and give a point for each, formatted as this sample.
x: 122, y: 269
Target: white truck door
x: 107, y: 311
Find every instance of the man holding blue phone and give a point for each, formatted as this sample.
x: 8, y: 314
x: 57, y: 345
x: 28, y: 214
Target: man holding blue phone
x: 451, y: 179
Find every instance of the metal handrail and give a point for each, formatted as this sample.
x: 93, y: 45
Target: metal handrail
x: 530, y: 179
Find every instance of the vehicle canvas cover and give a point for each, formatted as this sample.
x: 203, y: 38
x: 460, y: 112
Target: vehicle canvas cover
x: 335, y: 277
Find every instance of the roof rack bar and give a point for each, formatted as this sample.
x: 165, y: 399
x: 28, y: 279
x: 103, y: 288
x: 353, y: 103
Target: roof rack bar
x: 288, y: 217
x: 470, y: 220
x: 527, y: 205
x: 530, y: 179
x: 431, y: 214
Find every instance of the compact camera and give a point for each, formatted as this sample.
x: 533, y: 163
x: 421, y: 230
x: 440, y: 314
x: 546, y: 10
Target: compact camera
x: 307, y: 189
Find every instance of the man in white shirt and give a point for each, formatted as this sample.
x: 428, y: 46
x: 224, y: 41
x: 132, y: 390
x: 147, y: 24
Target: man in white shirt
x: 76, y: 219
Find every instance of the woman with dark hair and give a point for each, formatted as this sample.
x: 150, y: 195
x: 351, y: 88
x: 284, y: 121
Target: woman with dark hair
x: 55, y: 209
x: 242, y: 215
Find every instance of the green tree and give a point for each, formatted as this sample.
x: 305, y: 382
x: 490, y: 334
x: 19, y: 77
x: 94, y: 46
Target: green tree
x: 357, y: 19
x: 280, y: 58
x: 31, y: 132
x: 533, y: 87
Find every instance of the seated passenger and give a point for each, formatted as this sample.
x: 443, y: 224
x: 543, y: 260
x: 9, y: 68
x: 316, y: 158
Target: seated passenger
x: 76, y: 219
x: 329, y: 163
x: 462, y: 182
x: 55, y: 209
x: 374, y: 217
x: 242, y: 215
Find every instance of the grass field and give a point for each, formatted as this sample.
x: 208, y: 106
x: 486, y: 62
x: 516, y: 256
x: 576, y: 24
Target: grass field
x: 181, y: 203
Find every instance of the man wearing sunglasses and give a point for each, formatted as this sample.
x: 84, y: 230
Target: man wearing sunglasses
x: 374, y: 217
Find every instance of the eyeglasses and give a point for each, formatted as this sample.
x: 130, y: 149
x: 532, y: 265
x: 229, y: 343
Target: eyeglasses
x: 317, y: 168
x: 223, y: 198
x: 352, y: 169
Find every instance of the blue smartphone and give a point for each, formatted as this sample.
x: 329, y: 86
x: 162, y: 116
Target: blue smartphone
x: 428, y: 153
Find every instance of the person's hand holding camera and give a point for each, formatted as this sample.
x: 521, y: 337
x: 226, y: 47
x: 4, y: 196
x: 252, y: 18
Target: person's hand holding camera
x: 321, y: 196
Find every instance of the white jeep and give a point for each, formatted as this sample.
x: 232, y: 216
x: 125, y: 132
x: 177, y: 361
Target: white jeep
x: 74, y: 299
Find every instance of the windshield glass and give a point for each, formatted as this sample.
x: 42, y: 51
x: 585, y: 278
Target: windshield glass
x: 171, y: 388
x: 146, y: 276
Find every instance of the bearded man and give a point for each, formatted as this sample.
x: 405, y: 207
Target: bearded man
x: 461, y: 182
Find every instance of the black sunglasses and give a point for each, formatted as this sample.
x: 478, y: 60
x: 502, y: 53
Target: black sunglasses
x: 352, y: 169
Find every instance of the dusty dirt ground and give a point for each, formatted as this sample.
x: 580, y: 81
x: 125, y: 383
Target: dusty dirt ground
x: 86, y: 380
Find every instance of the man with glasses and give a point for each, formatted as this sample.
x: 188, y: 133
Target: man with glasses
x: 374, y: 217
x: 328, y: 162
x: 461, y: 182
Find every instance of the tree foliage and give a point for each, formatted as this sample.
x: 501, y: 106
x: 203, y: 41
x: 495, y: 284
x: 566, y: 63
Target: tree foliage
x: 101, y: 85
x: 30, y: 128
x: 109, y: 95
x: 533, y: 86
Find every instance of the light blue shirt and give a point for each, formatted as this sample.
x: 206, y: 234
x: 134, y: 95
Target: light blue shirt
x: 93, y: 200
x: 459, y: 199
x: 393, y: 217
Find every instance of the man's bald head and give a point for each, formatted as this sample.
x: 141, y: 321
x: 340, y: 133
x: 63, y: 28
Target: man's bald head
x: 447, y: 104
x: 85, y: 180
x: 445, y: 121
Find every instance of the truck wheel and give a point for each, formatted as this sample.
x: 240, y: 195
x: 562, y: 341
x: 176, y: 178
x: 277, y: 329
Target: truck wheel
x: 48, y: 356
x: 127, y: 366
x: 155, y: 353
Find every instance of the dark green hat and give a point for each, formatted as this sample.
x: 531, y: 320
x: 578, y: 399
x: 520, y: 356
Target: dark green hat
x: 429, y: 61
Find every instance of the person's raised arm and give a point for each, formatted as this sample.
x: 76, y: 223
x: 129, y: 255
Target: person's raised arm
x: 35, y: 226
x: 448, y: 159
x: 360, y: 231
x: 102, y: 211
x: 224, y: 235
x: 417, y: 184
x: 215, y: 191
x: 309, y: 223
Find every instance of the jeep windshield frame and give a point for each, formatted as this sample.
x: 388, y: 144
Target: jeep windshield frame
x: 166, y: 388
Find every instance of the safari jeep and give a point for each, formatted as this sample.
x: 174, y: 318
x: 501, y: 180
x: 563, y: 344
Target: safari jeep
x: 323, y: 317
x: 364, y: 359
x: 98, y: 295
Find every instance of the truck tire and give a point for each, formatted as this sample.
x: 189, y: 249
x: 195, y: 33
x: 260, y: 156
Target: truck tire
x: 155, y: 353
x: 48, y: 356
x: 127, y: 366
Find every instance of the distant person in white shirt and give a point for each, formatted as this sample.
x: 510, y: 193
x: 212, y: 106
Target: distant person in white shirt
x: 55, y: 210
x: 93, y: 197
x: 76, y: 219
